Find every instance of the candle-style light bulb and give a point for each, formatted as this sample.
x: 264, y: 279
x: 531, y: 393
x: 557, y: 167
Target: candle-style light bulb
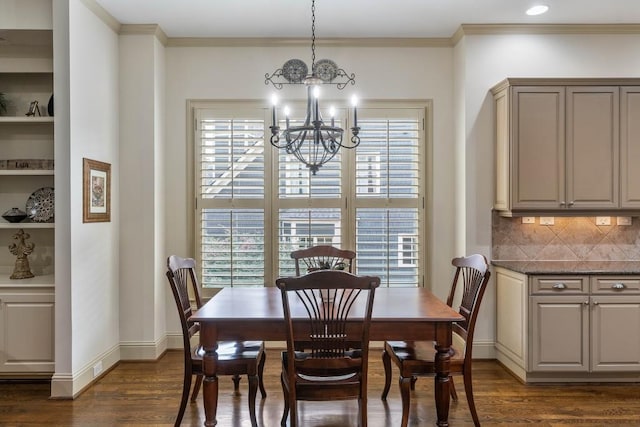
x: 316, y: 95
x: 354, y: 102
x: 274, y: 103
x: 332, y: 113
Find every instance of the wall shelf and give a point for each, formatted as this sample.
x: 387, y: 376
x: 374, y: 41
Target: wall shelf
x: 44, y: 280
x: 26, y: 119
x: 18, y: 225
x: 26, y: 172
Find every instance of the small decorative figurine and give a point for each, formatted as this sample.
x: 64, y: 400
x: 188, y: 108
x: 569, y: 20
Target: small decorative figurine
x: 33, y: 109
x: 21, y: 249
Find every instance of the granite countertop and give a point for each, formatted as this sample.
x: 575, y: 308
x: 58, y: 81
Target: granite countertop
x: 570, y: 267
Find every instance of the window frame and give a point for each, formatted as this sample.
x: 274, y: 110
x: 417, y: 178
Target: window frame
x: 272, y: 204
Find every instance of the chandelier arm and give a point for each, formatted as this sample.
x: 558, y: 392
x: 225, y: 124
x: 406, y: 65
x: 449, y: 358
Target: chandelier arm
x: 269, y: 78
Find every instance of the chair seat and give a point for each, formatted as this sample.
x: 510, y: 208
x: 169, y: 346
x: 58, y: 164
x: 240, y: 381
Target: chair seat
x: 234, y: 350
x: 418, y: 357
x: 343, y: 372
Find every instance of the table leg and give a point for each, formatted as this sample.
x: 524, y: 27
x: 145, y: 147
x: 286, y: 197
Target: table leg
x: 442, y: 380
x: 209, y: 342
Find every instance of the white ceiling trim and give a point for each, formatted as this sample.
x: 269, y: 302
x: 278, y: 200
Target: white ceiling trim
x: 102, y: 13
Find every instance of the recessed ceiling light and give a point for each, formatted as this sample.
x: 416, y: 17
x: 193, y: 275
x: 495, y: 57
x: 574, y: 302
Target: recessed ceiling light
x: 537, y: 10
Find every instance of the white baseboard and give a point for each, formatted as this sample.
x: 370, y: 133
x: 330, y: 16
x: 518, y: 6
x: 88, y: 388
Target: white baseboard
x: 69, y: 386
x: 141, y: 350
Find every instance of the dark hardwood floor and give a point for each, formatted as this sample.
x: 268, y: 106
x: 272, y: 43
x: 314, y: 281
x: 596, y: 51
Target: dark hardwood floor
x: 148, y: 393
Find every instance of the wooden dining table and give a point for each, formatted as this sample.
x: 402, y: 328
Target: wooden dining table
x: 256, y: 314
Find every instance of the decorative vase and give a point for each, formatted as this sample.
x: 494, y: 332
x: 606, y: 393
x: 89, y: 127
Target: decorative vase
x: 50, y: 106
x: 14, y: 215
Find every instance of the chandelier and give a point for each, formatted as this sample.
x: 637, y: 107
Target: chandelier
x: 314, y: 142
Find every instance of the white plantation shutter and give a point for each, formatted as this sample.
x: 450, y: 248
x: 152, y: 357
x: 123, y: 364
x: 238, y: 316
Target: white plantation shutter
x: 256, y: 204
x: 388, y: 201
x: 232, y: 250
x: 230, y: 191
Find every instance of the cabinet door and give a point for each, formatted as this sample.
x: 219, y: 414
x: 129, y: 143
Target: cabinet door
x: 559, y: 333
x: 26, y: 333
x: 615, y: 333
x: 511, y: 319
x: 630, y: 147
x: 592, y: 147
x: 538, y: 137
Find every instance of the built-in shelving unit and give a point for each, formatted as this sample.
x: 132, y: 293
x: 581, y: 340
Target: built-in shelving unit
x: 26, y: 164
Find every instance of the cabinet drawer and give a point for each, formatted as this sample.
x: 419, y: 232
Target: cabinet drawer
x: 547, y: 285
x: 615, y: 284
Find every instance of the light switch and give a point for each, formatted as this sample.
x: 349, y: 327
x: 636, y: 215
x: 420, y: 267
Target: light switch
x: 547, y: 220
x: 624, y: 220
x: 603, y: 220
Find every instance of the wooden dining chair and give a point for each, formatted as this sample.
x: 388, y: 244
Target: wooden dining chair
x: 416, y: 359
x: 323, y: 257
x: 234, y: 357
x: 336, y: 310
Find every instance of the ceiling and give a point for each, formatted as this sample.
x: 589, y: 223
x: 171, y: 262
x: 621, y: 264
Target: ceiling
x: 357, y: 18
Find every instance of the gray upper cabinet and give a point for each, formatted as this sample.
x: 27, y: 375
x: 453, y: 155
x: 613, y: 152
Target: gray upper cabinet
x: 592, y: 149
x: 560, y: 149
x: 538, y: 144
x: 630, y: 147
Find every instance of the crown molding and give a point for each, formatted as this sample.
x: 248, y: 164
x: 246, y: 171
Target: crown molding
x: 564, y: 81
x: 292, y: 42
x: 145, y: 30
x: 480, y: 29
x: 101, y: 13
x: 497, y: 29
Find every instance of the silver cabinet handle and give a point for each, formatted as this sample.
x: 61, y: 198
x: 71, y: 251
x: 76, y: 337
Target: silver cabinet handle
x: 595, y: 303
x: 586, y: 303
x: 618, y: 286
x: 571, y: 203
x: 562, y: 203
x: 559, y: 286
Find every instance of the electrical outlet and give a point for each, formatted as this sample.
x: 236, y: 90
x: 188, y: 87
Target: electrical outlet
x: 624, y: 220
x: 528, y: 219
x: 97, y: 369
x: 603, y: 220
x: 547, y: 220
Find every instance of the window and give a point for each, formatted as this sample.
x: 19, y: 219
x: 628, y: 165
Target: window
x: 255, y: 205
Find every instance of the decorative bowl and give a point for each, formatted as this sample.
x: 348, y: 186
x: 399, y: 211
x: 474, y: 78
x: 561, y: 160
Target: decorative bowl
x: 14, y: 215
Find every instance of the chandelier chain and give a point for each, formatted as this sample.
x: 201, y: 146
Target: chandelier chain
x: 313, y: 36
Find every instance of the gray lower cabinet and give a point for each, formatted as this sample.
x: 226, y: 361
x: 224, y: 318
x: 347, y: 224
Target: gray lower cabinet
x: 575, y: 328
x: 27, y: 331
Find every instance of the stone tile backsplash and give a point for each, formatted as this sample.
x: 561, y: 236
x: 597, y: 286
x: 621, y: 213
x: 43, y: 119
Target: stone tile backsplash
x: 569, y: 239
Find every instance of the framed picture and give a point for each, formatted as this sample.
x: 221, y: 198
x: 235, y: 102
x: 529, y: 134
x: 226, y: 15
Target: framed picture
x: 96, y: 191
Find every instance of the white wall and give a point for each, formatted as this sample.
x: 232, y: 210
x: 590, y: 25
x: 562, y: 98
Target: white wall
x: 490, y: 58
x: 93, y: 133
x: 160, y: 195
x: 142, y: 254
